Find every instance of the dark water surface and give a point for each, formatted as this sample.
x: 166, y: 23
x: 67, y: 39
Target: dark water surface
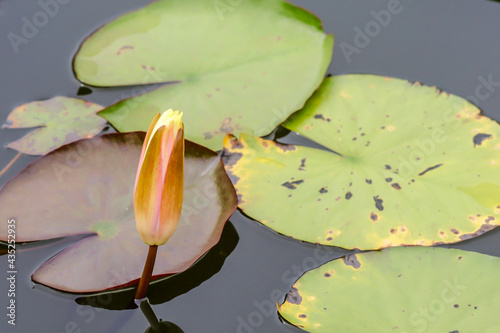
x: 451, y: 44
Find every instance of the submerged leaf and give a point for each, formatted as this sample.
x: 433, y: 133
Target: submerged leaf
x: 60, y: 120
x: 413, y: 166
x: 86, y: 188
x: 245, y: 67
x: 398, y: 290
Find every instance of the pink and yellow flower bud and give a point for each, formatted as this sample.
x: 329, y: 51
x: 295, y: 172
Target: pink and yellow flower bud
x: 158, y: 190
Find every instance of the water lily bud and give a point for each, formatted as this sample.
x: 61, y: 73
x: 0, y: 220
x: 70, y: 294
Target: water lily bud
x: 158, y: 190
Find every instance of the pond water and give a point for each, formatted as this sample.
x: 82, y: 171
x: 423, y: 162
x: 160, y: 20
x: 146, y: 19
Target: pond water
x: 452, y: 44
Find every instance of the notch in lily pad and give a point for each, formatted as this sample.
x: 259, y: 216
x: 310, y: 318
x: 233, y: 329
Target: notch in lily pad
x: 417, y: 173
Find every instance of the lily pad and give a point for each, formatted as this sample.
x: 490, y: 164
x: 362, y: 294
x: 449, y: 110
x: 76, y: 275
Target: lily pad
x: 243, y: 67
x: 59, y: 120
x: 167, y: 288
x: 404, y: 164
x: 86, y: 188
x: 399, y: 290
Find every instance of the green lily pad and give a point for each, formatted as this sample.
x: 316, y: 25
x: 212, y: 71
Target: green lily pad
x: 86, y: 188
x: 59, y: 120
x: 408, y: 165
x: 246, y: 68
x: 399, y: 290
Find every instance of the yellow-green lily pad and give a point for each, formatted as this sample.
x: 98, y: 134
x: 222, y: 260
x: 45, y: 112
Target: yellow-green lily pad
x: 404, y: 290
x: 404, y: 164
x: 244, y: 66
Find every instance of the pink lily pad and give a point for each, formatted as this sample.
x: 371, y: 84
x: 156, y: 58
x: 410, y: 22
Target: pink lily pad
x: 86, y: 188
x: 59, y: 120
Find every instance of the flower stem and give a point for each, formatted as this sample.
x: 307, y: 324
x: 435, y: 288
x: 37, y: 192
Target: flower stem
x: 7, y: 167
x: 147, y: 272
x: 150, y: 316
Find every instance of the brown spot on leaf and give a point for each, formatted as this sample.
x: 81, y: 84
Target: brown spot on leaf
x: 368, y: 181
x: 235, y: 143
x: 396, y: 186
x: 284, y: 147
x: 293, y: 296
x: 378, y: 203
x: 319, y: 116
x: 292, y: 185
x: 348, y: 195
x: 455, y: 231
x: 388, y: 180
x: 323, y: 190
x: 327, y: 275
x: 226, y: 126
x: 479, y: 138
x: 230, y: 158
x: 123, y: 48
x: 393, y: 231
x: 388, y: 167
x: 302, y: 315
x: 302, y: 164
x: 207, y: 135
x: 429, y: 169
x: 373, y: 217
x: 484, y: 228
x: 490, y: 219
x: 352, y: 260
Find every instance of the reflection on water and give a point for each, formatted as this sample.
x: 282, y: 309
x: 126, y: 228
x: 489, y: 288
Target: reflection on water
x: 168, y: 288
x: 157, y: 326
